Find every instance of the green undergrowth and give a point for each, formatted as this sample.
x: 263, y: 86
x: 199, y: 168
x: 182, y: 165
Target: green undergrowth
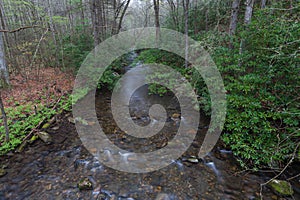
x: 24, y: 118
x: 262, y: 84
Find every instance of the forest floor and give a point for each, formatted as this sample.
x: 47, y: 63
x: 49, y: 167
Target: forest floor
x: 39, y: 86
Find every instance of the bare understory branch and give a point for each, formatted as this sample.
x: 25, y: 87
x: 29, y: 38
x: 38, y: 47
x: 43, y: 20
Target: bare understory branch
x: 20, y: 29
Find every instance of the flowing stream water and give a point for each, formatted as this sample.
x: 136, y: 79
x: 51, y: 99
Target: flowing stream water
x: 53, y: 171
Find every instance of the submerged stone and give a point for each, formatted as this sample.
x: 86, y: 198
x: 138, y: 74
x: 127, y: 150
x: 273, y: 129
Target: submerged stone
x: 281, y: 187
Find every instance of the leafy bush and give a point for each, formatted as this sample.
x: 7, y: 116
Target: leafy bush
x: 262, y: 125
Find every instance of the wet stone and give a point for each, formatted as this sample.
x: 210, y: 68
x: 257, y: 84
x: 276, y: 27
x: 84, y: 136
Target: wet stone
x: 71, y: 120
x: 193, y: 159
x: 45, y: 137
x: 55, y: 128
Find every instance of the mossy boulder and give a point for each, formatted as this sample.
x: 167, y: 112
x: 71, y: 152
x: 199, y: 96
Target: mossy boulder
x: 281, y: 187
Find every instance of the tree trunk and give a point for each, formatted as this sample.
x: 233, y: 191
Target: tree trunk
x: 157, y: 24
x: 263, y: 4
x: 4, y: 119
x: 195, y: 19
x: 4, y: 27
x: 206, y: 19
x: 247, y: 21
x: 186, y: 29
x: 103, y: 13
x: 234, y: 17
x: 174, y: 14
x: 52, y: 29
x: 248, y: 12
x: 95, y: 24
x: 116, y: 14
x: 82, y: 16
x: 4, y: 75
x: 4, y: 81
x: 234, y: 20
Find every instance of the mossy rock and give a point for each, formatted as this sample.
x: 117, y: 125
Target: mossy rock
x: 281, y: 187
x: 85, y: 184
x: 33, y: 139
x: 2, y: 172
x: 45, y: 126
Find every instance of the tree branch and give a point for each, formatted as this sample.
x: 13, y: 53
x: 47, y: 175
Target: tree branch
x: 20, y: 29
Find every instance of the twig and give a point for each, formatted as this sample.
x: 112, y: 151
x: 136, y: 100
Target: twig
x: 293, y: 177
x: 35, y: 129
x: 272, y: 179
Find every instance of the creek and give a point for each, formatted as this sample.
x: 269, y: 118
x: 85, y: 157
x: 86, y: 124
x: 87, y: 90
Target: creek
x: 52, y: 171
